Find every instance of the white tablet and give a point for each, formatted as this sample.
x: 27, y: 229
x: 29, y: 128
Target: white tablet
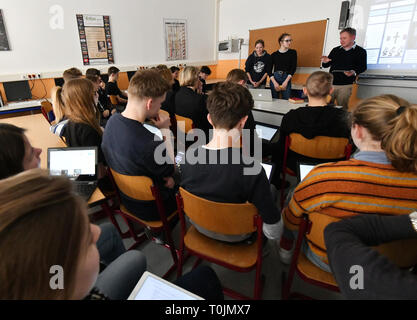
x: 152, y: 287
x: 265, y: 133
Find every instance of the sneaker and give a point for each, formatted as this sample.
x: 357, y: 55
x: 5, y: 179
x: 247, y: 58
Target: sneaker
x: 285, y: 255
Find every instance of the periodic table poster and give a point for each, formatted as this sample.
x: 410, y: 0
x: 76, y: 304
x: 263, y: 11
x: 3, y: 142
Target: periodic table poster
x: 4, y: 42
x: 95, y: 39
x: 175, y: 39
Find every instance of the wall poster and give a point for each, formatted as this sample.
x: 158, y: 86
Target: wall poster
x: 175, y: 39
x: 4, y: 42
x: 95, y: 39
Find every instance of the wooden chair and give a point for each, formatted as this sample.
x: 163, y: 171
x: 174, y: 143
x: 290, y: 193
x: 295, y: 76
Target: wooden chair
x: 224, y: 218
x: 320, y: 148
x: 402, y: 253
x: 114, y: 100
x: 142, y: 188
x: 46, y: 108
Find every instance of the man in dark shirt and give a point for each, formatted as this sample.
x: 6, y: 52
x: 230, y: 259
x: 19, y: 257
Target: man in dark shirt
x: 221, y: 173
x: 131, y: 149
x: 112, y: 89
x: 346, y: 63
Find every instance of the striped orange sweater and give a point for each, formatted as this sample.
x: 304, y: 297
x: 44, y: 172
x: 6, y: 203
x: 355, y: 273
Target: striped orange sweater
x: 334, y: 191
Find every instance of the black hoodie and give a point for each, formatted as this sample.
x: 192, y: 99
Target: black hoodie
x: 257, y: 66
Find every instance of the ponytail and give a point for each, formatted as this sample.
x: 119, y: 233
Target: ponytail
x: 58, y: 104
x: 400, y: 140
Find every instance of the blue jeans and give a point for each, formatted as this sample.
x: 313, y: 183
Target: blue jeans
x: 110, y: 244
x: 280, y: 77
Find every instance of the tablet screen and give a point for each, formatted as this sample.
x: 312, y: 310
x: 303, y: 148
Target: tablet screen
x: 304, y: 170
x: 265, y: 133
x: 151, y: 287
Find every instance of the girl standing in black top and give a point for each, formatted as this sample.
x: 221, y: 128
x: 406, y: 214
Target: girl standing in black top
x: 258, y: 66
x: 284, y: 63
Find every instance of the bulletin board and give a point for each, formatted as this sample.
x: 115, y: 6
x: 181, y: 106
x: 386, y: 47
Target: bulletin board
x: 308, y: 40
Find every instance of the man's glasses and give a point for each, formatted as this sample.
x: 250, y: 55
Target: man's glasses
x: 290, y: 40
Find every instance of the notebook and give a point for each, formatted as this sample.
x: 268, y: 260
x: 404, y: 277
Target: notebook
x: 152, y: 287
x: 266, y: 133
x: 78, y: 164
x: 303, y: 170
x: 261, y: 94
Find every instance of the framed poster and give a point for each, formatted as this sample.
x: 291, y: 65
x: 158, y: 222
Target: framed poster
x: 4, y: 42
x: 95, y: 39
x: 175, y: 39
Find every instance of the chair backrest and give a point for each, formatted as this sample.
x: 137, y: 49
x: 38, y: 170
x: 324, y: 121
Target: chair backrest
x: 320, y: 147
x: 113, y: 100
x: 224, y: 218
x: 402, y: 253
x: 135, y: 187
x: 46, y: 107
x: 184, y: 124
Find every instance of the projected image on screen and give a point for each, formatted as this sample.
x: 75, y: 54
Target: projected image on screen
x: 391, y: 35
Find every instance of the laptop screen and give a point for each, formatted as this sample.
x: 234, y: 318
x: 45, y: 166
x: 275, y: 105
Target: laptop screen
x: 265, y: 133
x: 305, y: 170
x: 152, y: 287
x: 72, y: 162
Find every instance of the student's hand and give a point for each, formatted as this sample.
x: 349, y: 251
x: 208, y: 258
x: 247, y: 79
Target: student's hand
x: 113, y: 111
x: 325, y: 59
x: 284, y: 85
x: 169, y: 182
x: 350, y: 73
x: 106, y: 113
x: 256, y: 84
x: 161, y: 121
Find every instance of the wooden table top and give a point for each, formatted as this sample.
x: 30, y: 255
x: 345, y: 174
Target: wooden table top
x: 39, y: 135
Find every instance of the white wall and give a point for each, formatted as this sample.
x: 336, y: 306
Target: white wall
x: 237, y: 17
x: 136, y: 27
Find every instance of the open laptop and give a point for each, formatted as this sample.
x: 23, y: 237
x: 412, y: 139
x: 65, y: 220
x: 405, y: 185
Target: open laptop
x: 269, y: 169
x: 266, y: 133
x: 78, y: 164
x: 303, y: 169
x: 261, y: 94
x: 152, y: 287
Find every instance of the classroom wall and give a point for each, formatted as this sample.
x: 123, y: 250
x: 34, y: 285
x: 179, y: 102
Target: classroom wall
x: 136, y: 27
x: 237, y: 17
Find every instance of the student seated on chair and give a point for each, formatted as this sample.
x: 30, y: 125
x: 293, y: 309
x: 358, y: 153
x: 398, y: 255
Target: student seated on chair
x: 219, y: 172
x: 316, y: 119
x: 380, y: 179
x: 175, y: 71
x: 351, y: 242
x: 79, y: 98
x: 202, y: 75
x: 112, y: 89
x: 129, y: 147
x: 189, y: 103
x: 72, y: 73
x: 240, y: 77
x: 169, y: 104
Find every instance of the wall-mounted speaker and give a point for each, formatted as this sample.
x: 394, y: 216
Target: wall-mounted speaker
x: 344, y: 15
